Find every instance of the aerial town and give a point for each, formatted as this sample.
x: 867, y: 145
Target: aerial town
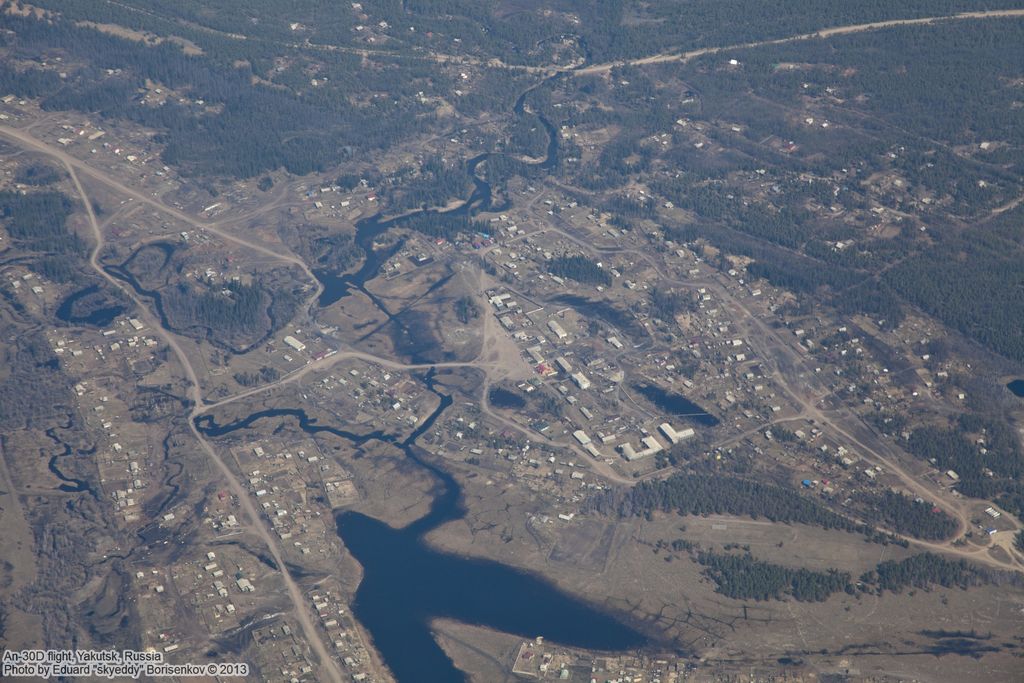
x: 552, y: 388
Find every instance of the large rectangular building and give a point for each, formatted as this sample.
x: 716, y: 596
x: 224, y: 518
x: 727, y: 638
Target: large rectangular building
x: 675, y: 436
x: 650, y: 444
x: 581, y: 436
x: 581, y: 380
x: 557, y: 329
x: 294, y: 343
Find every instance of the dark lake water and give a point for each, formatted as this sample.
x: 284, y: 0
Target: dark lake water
x: 592, y: 308
x: 97, y: 314
x: 406, y: 583
x: 503, y: 398
x: 1017, y: 387
x: 677, y: 405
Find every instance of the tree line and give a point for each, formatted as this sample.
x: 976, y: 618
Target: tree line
x: 926, y: 570
x: 998, y: 474
x: 904, y: 515
x: 711, y: 494
x: 581, y: 269
x: 743, y: 577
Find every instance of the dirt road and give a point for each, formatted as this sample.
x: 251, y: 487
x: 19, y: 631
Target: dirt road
x: 252, y: 519
x: 26, y: 140
x: 547, y: 70
x: 823, y: 33
x: 798, y: 382
x: 661, y: 58
x: 302, y: 610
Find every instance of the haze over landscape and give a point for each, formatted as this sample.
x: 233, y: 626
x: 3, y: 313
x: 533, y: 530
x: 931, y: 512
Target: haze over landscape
x: 499, y: 341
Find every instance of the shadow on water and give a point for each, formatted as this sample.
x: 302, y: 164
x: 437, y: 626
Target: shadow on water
x: 503, y: 398
x: 97, y: 315
x: 406, y: 583
x: 676, y: 405
x: 1016, y: 387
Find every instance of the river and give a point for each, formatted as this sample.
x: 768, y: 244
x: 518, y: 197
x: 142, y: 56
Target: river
x: 124, y: 273
x: 69, y: 484
x: 406, y: 583
x: 336, y: 286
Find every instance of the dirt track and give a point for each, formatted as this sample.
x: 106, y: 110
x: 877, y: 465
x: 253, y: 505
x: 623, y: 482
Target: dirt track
x: 823, y: 33
x: 252, y: 520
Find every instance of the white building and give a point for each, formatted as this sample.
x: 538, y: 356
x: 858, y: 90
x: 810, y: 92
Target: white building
x: 675, y: 436
x: 581, y: 380
x: 581, y: 436
x: 294, y: 343
x: 651, y: 446
x: 557, y: 329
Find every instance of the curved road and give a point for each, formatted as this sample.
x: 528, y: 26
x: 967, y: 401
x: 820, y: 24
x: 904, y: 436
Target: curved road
x: 784, y: 361
x: 605, y: 67
x: 808, y: 406
x: 301, y: 607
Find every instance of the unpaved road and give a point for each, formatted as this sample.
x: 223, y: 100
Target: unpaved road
x: 253, y: 520
x: 73, y: 164
x: 26, y: 140
x: 661, y: 58
x: 796, y: 379
x: 823, y: 33
x: 301, y: 608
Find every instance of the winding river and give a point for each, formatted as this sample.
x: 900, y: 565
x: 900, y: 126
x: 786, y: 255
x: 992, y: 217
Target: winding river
x: 406, y: 583
x: 337, y: 286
